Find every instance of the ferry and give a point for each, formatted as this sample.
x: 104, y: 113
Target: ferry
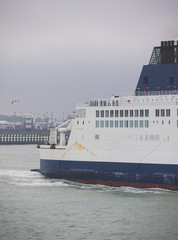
x: 125, y: 140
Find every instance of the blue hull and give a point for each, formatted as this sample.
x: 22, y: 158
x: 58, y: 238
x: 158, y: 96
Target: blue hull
x: 113, y: 174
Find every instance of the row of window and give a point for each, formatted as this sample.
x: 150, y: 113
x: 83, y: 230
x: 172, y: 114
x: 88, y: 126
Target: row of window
x: 162, y: 112
x: 123, y: 113
x: 144, y: 137
x: 122, y: 124
x: 133, y: 113
x: 145, y: 80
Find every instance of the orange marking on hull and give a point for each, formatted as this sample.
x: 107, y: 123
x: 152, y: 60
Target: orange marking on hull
x: 78, y: 146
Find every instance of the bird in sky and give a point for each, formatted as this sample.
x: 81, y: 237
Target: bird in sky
x: 13, y: 101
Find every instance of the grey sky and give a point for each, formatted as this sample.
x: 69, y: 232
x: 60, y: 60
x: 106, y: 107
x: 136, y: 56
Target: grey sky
x: 54, y: 54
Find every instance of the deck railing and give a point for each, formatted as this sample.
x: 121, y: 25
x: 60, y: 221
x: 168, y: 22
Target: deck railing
x: 115, y: 99
x: 151, y: 93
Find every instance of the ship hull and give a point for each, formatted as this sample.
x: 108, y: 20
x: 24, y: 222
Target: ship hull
x: 118, y: 174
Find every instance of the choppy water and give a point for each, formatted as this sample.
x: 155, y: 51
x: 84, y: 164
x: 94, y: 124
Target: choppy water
x: 34, y: 207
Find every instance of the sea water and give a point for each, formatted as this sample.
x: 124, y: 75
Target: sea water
x: 35, y: 207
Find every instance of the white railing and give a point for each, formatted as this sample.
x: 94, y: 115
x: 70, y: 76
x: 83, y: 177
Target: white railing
x: 115, y: 99
x: 148, y: 93
x: 109, y: 101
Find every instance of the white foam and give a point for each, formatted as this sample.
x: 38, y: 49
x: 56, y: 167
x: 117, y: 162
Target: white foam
x: 132, y: 190
x: 28, y: 178
x: 143, y: 190
x: 32, y: 179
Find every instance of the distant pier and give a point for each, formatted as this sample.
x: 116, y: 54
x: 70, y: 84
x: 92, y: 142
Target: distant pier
x: 24, y: 137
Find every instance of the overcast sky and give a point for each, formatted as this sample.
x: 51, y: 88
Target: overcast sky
x: 56, y: 53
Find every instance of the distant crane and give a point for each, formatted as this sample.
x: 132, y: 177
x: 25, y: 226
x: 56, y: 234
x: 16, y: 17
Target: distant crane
x: 14, y: 101
x: 46, y: 119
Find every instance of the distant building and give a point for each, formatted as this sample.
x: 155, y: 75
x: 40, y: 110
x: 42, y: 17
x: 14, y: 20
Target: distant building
x: 40, y: 124
x: 28, y: 122
x: 6, y: 125
x: 18, y: 125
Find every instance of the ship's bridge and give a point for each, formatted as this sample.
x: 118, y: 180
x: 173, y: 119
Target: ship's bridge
x: 161, y: 74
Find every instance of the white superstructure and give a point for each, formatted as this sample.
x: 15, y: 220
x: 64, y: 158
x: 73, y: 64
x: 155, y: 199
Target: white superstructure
x: 131, y: 128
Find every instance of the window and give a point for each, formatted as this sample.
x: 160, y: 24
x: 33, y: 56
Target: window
x: 97, y: 113
x: 131, y: 124
x: 177, y: 112
x: 102, y: 113
x: 168, y: 112
x: 106, y: 113
x: 95, y: 103
x: 97, y: 136
x: 106, y: 123
x: 136, y: 123
x: 141, y: 123
x: 116, y: 113
x: 145, y: 79
x: 101, y: 123
x: 162, y: 112
x: 177, y: 123
x: 131, y: 113
x: 157, y: 137
x: 171, y: 80
x: 126, y: 113
x: 141, y: 113
x: 121, y: 113
x: 116, y: 124
x: 121, y: 124
x: 97, y: 124
x: 151, y: 137
x: 157, y: 112
x: 126, y: 124
x: 146, y: 123
x: 111, y: 124
x: 146, y: 113
x: 111, y: 113
x: 101, y: 103
x: 136, y: 113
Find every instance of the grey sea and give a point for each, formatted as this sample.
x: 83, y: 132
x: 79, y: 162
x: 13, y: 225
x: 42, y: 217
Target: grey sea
x: 35, y: 207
